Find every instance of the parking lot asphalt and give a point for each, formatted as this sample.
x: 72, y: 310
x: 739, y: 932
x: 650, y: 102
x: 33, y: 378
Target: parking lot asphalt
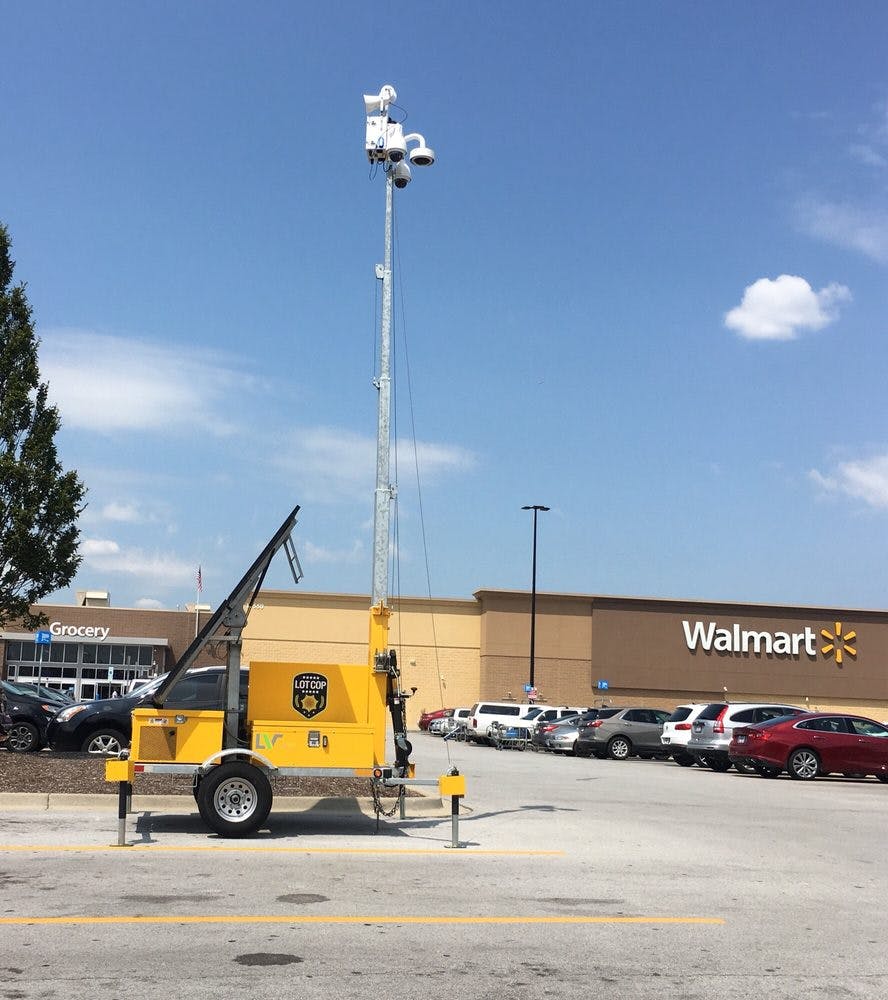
x: 635, y: 878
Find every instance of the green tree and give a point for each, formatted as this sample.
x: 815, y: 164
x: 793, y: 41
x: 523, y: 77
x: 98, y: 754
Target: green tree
x: 39, y: 503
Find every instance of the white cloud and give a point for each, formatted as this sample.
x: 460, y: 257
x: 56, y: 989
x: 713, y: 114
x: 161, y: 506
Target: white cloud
x: 149, y: 603
x: 781, y: 308
x: 865, y: 154
x: 105, y: 383
x: 316, y: 554
x: 866, y: 480
x: 331, y: 463
x: 106, y: 556
x: 125, y: 512
x: 854, y: 227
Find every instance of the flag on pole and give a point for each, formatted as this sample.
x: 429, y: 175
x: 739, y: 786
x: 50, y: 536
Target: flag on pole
x: 199, y: 581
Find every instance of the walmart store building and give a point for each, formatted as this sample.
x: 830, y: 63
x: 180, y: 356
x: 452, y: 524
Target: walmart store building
x: 589, y: 649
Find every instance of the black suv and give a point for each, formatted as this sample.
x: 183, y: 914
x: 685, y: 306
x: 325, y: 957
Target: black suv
x: 105, y: 726
x: 28, y: 716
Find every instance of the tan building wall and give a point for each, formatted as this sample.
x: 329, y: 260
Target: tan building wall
x: 639, y: 647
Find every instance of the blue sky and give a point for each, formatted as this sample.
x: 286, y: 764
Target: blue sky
x: 644, y: 285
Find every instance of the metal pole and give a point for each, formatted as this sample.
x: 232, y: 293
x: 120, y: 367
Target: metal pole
x: 536, y: 508
x: 381, y: 513
x: 533, y: 599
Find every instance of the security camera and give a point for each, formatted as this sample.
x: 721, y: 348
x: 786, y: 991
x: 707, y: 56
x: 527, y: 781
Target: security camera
x: 422, y: 156
x: 395, y: 144
x: 401, y: 174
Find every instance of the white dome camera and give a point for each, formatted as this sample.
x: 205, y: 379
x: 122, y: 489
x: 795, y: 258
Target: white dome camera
x: 401, y: 174
x: 395, y: 144
x: 422, y: 156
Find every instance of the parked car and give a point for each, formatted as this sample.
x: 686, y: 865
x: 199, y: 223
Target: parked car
x: 712, y: 730
x: 623, y: 732
x: 677, y: 732
x: 428, y: 717
x: 560, y: 737
x: 542, y: 729
x: 45, y: 693
x: 813, y: 744
x: 105, y: 726
x: 503, y: 713
x: 29, y: 716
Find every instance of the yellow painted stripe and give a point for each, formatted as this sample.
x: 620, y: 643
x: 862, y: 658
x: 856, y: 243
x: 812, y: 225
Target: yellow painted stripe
x: 154, y: 849
x: 405, y: 919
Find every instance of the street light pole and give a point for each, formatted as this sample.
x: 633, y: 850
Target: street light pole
x: 536, y: 508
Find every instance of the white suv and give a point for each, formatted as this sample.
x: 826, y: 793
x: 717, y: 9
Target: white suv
x: 677, y: 732
x: 504, y: 713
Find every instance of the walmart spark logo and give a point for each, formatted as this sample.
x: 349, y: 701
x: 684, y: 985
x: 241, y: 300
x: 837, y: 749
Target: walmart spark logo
x: 839, y: 642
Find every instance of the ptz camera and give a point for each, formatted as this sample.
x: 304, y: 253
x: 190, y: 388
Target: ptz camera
x: 395, y: 144
x: 401, y: 174
x: 422, y: 156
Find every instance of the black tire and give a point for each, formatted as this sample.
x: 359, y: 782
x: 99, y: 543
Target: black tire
x: 803, y: 764
x: 701, y: 760
x: 23, y: 737
x: 765, y: 770
x: 599, y: 754
x: 719, y: 764
x: 104, y: 743
x: 234, y: 799
x: 644, y: 755
x: 683, y: 759
x: 883, y: 778
x: 619, y: 748
x: 582, y: 752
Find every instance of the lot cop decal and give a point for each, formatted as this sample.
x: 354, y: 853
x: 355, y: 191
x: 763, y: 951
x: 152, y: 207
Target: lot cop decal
x: 836, y: 642
x: 309, y: 694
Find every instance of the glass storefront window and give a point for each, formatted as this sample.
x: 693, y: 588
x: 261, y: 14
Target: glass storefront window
x: 89, y: 652
x: 13, y: 651
x: 103, y: 654
x: 55, y: 652
x: 145, y: 656
x: 29, y: 651
x: 71, y: 649
x: 118, y: 654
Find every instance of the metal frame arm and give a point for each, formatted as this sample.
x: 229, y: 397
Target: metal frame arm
x: 233, y: 611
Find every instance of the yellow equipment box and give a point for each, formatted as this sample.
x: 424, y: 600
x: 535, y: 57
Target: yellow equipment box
x: 317, y: 692
x: 163, y: 736
x: 318, y: 745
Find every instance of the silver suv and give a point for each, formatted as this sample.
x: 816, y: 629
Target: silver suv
x: 714, y: 726
x: 623, y: 732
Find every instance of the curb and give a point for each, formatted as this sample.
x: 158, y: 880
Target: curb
x: 48, y: 802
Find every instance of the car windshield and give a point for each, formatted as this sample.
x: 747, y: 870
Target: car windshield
x: 531, y: 715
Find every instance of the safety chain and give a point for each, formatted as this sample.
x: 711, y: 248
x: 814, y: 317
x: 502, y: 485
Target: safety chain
x: 377, y: 801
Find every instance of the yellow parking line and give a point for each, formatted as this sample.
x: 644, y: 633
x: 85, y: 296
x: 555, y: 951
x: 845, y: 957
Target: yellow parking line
x: 242, y: 849
x: 405, y: 919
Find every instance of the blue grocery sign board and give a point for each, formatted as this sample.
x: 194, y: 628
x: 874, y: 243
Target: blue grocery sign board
x: 43, y: 638
x: 603, y: 685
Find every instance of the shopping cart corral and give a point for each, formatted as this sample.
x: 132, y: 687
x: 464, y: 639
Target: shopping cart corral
x: 510, y: 737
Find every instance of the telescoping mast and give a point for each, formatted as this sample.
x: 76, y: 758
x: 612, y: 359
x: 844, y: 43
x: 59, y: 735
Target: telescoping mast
x: 294, y: 719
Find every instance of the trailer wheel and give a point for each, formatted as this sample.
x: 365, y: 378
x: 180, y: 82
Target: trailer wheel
x: 234, y: 799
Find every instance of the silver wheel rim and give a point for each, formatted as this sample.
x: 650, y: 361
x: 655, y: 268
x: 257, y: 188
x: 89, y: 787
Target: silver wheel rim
x: 620, y: 749
x: 20, y: 739
x: 235, y: 800
x: 104, y: 745
x: 805, y: 764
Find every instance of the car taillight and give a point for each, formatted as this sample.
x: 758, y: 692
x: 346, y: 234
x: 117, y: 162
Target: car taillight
x: 719, y: 726
x: 474, y: 723
x: 595, y: 724
x: 759, y: 734
x: 683, y: 725
x: 549, y: 727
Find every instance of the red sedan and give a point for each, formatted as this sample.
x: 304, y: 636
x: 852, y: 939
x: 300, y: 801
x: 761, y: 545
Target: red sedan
x: 813, y: 744
x: 427, y: 717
